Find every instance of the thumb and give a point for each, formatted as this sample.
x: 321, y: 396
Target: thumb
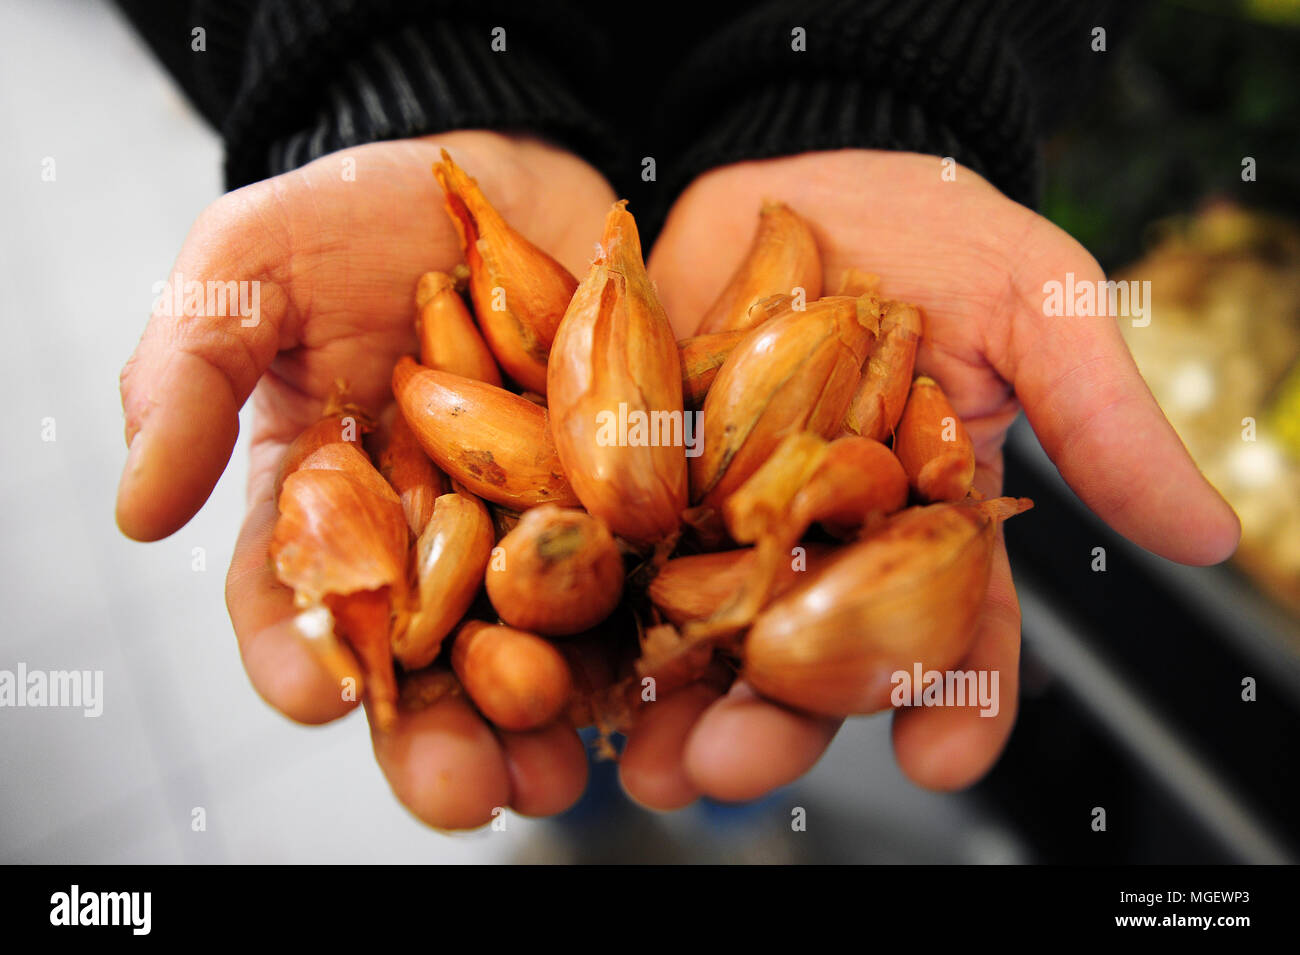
x: 1098, y: 421
x: 215, y: 327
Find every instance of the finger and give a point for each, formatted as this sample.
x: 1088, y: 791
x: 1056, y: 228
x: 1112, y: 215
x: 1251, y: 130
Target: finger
x: 191, y: 373
x: 1099, y: 423
x: 547, y: 767
x: 743, y: 746
x: 708, y: 256
x: 280, y: 663
x: 445, y: 765
x: 651, y: 767
x: 950, y: 747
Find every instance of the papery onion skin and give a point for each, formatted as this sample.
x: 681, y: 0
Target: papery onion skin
x: 696, y: 586
x: 908, y: 594
x: 881, y: 396
x: 933, y: 445
x: 782, y: 257
x: 795, y: 372
x: 450, y: 557
x: 494, y: 442
x: 702, y: 358
x: 519, y: 291
x: 341, y: 541
x: 449, y: 339
x: 615, y: 364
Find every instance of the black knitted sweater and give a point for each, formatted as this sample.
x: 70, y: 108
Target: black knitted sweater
x: 286, y: 81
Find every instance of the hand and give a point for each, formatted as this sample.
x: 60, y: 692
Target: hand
x: 337, y: 261
x: 976, y: 263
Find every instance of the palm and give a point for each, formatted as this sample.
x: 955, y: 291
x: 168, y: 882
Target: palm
x: 349, y: 251
x: 959, y: 248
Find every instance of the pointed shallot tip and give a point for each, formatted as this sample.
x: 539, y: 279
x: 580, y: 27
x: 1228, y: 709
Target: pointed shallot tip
x: 430, y: 285
x: 448, y: 168
x: 402, y: 373
x: 460, y: 188
x: 1006, y: 507
x: 1002, y: 508
x: 621, y: 240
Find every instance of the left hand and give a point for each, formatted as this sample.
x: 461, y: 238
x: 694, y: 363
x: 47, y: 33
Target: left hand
x: 975, y: 261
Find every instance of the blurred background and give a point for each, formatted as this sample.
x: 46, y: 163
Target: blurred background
x: 1132, y: 677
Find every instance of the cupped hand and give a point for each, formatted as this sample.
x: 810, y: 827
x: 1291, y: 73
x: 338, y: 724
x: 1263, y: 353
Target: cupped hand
x: 976, y: 263
x: 336, y: 249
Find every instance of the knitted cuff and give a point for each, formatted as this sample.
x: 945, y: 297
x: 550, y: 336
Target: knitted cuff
x: 323, y: 75
x: 940, y: 76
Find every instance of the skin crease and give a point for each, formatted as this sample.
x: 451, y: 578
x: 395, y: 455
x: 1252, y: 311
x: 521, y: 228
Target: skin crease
x: 338, y: 262
x: 548, y: 769
x: 652, y: 768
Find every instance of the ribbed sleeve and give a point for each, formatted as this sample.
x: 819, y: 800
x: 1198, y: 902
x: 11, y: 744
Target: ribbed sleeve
x: 321, y: 75
x: 287, y: 81
x: 971, y: 79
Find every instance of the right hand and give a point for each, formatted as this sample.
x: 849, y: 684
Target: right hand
x: 337, y: 261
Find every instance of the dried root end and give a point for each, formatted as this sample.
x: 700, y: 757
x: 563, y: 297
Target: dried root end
x: 1003, y: 508
x: 671, y: 659
x: 735, y: 616
x: 706, y: 526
